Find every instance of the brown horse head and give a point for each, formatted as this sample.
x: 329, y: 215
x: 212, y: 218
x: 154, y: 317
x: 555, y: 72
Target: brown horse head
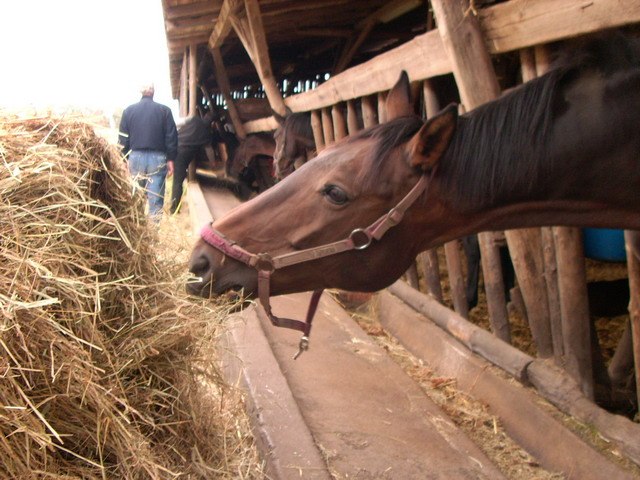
x: 294, y: 142
x: 348, y: 186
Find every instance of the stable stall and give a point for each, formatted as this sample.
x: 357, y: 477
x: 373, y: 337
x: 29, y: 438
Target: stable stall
x: 337, y: 60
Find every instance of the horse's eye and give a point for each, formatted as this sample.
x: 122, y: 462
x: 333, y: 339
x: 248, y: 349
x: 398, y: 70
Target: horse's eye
x: 335, y: 194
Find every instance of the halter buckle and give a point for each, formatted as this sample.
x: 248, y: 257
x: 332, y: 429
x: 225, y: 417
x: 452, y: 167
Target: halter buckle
x: 358, y: 245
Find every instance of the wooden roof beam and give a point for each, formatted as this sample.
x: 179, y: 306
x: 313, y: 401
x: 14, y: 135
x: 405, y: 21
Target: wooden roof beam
x: 250, y: 30
x: 222, y: 26
x: 206, y: 8
x: 385, y: 14
x: 225, y: 88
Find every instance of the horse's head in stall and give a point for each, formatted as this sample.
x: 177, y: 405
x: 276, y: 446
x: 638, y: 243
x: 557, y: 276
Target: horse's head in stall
x: 350, y: 186
x: 294, y: 142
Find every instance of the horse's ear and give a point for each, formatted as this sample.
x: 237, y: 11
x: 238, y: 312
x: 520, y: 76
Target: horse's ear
x: 398, y: 103
x: 432, y: 140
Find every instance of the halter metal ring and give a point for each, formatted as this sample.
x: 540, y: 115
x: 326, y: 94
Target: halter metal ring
x: 354, y: 240
x: 265, y: 263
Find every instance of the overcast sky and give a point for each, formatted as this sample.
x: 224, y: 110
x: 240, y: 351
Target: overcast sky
x: 83, y: 53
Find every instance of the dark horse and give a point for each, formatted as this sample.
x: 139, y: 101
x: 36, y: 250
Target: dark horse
x: 562, y: 149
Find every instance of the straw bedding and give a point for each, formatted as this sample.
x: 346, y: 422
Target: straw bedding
x: 101, y: 375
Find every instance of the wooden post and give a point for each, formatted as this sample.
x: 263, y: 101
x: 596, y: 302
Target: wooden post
x: 327, y: 126
x: 369, y: 113
x: 251, y: 34
x: 525, y: 247
x: 429, y: 259
x: 193, y: 80
x: 633, y: 264
x: 456, y: 278
x: 316, y: 126
x: 352, y: 117
x: 431, y: 271
x: 193, y: 99
x: 472, y: 68
x: 542, y: 61
x: 382, y: 111
x: 574, y: 306
x: 494, y: 286
x: 339, y: 122
x: 553, y: 294
x: 223, y: 83
x: 184, y: 86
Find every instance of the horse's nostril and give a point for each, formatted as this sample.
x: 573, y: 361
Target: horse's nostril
x: 199, y: 265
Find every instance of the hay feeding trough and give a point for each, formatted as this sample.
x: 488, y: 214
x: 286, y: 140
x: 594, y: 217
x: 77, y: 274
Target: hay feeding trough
x: 101, y: 370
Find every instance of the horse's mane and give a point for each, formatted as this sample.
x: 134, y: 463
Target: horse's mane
x: 299, y: 123
x: 387, y: 136
x: 500, y: 151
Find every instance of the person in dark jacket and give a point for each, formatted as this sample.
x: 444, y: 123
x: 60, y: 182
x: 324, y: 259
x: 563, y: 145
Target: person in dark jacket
x: 149, y: 138
x: 193, y: 135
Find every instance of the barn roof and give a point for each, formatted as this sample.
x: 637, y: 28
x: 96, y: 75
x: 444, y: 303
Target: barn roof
x: 306, y: 39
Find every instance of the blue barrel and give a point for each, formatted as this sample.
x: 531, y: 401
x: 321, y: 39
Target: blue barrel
x: 604, y: 244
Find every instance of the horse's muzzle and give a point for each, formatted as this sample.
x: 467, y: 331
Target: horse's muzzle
x: 218, y: 274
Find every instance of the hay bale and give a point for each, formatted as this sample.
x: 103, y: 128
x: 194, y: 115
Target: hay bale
x: 98, y: 346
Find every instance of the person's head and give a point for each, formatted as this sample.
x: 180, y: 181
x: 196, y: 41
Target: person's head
x: 147, y: 89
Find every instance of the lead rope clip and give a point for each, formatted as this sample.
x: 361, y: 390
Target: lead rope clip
x: 303, y: 346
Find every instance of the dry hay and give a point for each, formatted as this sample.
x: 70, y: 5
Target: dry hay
x: 101, y: 375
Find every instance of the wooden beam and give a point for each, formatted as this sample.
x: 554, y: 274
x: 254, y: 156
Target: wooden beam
x: 384, y: 14
x: 389, y: 12
x: 378, y: 74
x: 251, y: 33
x: 261, y: 125
x: 222, y: 27
x: 193, y: 80
x: 184, y: 86
x: 199, y: 9
x: 352, y: 47
x: 223, y: 82
x: 518, y: 24
x: 177, y: 46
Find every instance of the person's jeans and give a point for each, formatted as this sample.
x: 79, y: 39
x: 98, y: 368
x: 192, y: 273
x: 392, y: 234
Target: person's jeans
x: 149, y: 169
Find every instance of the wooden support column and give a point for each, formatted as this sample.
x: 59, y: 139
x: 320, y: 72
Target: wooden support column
x: 456, y: 278
x: 541, y: 62
x: 633, y: 265
x: 352, y: 117
x: 429, y: 259
x: 193, y: 99
x: 369, y: 112
x: 553, y: 294
x: 339, y: 122
x: 472, y: 68
x: 525, y: 248
x: 382, y: 110
x: 223, y: 82
x: 193, y: 80
x: 316, y: 126
x: 222, y: 26
x: 327, y: 126
x: 574, y: 306
x: 251, y: 33
x: 184, y: 86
